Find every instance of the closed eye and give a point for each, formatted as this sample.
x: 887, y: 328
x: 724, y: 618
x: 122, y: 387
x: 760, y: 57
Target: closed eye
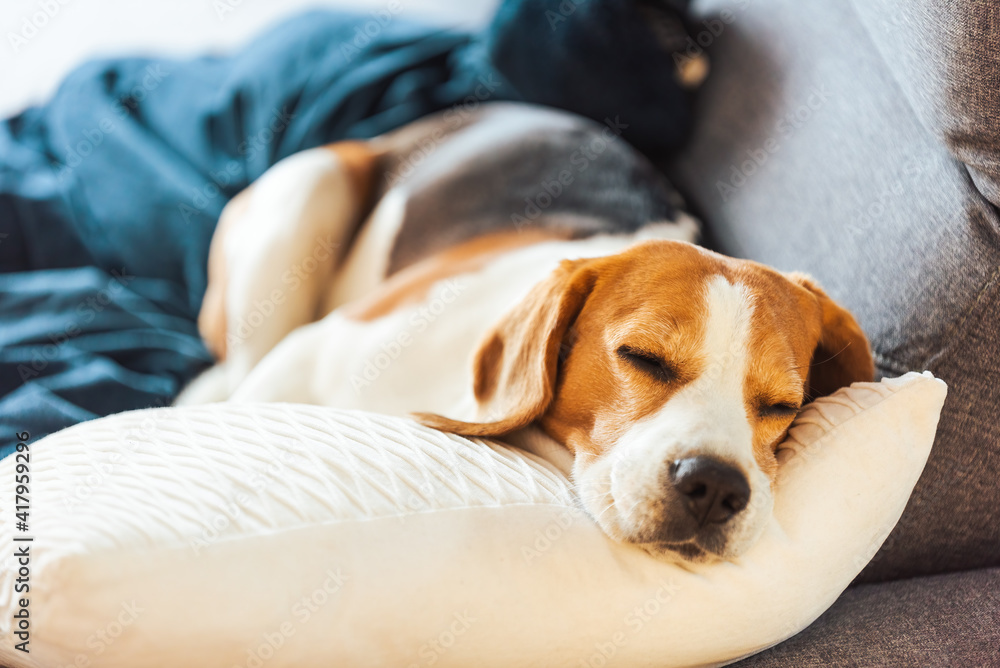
x: 778, y: 411
x: 648, y: 363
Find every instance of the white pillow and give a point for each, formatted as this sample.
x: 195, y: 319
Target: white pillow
x: 285, y: 535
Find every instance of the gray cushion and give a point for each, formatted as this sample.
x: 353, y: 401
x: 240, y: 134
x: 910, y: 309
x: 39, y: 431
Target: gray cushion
x: 826, y: 142
x: 943, y: 620
x: 944, y: 57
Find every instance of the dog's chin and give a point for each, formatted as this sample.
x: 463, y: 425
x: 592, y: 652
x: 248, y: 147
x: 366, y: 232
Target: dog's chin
x: 680, y: 553
x: 690, y: 549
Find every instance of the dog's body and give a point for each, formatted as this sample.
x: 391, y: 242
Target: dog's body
x: 485, y: 270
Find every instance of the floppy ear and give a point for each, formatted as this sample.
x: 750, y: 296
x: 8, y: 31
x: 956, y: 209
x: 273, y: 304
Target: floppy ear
x: 842, y: 355
x: 514, y: 369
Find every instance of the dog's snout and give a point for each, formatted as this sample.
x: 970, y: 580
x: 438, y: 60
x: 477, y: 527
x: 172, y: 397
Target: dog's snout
x: 712, y: 491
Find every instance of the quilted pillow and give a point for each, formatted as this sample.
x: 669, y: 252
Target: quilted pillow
x: 286, y: 535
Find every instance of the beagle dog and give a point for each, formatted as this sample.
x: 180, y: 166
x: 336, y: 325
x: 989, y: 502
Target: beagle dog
x: 514, y: 269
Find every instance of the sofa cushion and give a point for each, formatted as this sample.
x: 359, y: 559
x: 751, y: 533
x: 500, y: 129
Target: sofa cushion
x: 943, y: 56
x: 812, y: 152
x: 942, y: 620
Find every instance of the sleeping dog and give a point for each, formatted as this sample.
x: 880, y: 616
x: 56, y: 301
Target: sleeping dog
x: 517, y: 268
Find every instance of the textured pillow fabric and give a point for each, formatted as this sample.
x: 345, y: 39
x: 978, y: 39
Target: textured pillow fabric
x: 286, y: 535
x: 829, y: 139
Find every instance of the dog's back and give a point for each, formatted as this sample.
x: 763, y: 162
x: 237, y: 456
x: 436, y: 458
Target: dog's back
x: 463, y: 186
x: 502, y: 169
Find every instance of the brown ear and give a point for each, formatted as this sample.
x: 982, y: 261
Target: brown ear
x: 842, y: 355
x: 515, y: 367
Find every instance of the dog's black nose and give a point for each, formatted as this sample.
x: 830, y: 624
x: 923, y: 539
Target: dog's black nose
x: 711, y: 490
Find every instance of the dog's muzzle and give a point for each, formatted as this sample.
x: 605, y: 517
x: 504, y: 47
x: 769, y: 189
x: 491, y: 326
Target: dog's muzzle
x: 702, y: 496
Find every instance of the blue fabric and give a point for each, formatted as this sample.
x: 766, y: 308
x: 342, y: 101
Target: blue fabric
x: 109, y: 193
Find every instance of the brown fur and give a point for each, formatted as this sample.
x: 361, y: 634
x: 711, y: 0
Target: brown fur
x: 843, y: 355
x: 515, y: 367
x: 554, y: 357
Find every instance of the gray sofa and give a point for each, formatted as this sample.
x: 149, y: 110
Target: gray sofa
x: 860, y: 142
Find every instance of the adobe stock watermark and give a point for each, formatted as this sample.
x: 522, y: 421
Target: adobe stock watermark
x: 633, y: 623
x: 371, y: 28
x: 424, y: 316
x: 871, y: 214
x: 561, y: 13
x: 204, y: 196
x: 416, y: 500
x: 711, y: 30
x: 301, y: 612
x: 872, y: 548
x: 291, y: 279
x: 214, y: 527
x: 959, y: 473
x: 224, y: 8
x: 451, y: 119
x: 99, y: 641
x: 87, y: 312
x: 123, y: 107
x: 786, y: 127
x: 32, y: 24
x: 104, y: 463
x: 580, y: 160
x: 432, y: 650
x: 550, y: 534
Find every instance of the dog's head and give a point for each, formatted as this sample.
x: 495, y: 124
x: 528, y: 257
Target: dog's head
x: 672, y: 373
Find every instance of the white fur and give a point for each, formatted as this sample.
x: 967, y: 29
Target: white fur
x: 281, y: 259
x: 417, y: 358
x: 279, y: 263
x: 366, y: 266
